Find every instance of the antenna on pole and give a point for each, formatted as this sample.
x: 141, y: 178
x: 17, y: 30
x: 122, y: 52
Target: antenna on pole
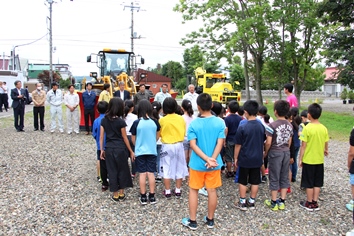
x: 133, y: 35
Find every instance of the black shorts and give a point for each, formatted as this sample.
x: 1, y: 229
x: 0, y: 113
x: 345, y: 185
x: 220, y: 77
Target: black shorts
x: 145, y: 163
x: 249, y: 176
x: 312, y: 175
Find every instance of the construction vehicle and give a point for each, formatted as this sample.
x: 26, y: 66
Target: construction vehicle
x: 114, y: 66
x: 216, y: 85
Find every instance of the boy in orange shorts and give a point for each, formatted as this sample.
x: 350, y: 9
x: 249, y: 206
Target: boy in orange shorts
x: 206, y: 135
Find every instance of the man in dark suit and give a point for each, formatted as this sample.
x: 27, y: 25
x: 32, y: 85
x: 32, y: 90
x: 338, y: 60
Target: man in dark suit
x: 121, y: 93
x: 18, y: 96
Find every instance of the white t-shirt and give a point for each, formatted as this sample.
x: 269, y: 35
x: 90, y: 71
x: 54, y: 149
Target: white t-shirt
x: 188, y: 120
x: 129, y: 119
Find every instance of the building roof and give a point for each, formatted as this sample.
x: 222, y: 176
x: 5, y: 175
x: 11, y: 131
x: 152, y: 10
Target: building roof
x: 151, y: 77
x: 331, y: 73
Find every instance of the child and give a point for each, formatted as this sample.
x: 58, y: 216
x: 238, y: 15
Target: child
x: 130, y: 117
x: 188, y: 118
x: 314, y: 146
x: 157, y: 114
x: 145, y: 132
x: 206, y: 135
x: 232, y: 122
x: 105, y: 95
x: 304, y: 121
x: 115, y: 152
x: 173, y: 161
x: 277, y: 148
x: 262, y: 112
x: 349, y: 206
x: 101, y: 164
x: 295, y: 122
x: 249, y: 155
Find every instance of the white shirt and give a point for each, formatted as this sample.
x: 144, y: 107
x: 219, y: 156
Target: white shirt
x: 121, y: 94
x: 160, y: 96
x: 71, y: 99
x: 192, y: 97
x: 19, y: 91
x: 2, y: 90
x: 129, y: 119
x: 4, y: 87
x: 188, y: 121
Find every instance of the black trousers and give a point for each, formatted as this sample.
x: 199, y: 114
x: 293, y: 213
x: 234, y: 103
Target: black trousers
x: 38, y: 111
x: 89, y: 113
x: 118, y: 169
x: 103, y: 170
x: 19, y: 113
x: 4, y: 100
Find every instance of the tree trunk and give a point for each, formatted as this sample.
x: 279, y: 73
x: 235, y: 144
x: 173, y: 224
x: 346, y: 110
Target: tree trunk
x: 245, y: 68
x: 258, y: 63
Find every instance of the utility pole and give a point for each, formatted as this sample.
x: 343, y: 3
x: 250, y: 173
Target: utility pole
x: 50, y: 43
x: 132, y: 36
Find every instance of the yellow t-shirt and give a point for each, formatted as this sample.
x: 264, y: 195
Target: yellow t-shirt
x: 104, y: 96
x: 173, y: 128
x: 315, y: 136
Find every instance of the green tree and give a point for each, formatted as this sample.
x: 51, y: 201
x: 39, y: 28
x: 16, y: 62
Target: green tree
x: 230, y: 27
x: 173, y: 70
x: 339, y: 46
x: 237, y: 75
x: 194, y: 58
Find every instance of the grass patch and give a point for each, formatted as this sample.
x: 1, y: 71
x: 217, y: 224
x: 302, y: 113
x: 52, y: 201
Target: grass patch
x: 339, y: 125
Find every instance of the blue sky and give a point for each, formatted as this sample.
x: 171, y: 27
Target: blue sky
x: 82, y: 27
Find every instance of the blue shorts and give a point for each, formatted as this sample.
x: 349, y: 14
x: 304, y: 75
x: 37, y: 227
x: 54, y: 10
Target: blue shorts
x: 145, y: 163
x: 351, y: 181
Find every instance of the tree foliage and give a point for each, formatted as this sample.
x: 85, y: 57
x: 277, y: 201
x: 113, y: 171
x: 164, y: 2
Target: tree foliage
x: 173, y: 70
x: 339, y: 46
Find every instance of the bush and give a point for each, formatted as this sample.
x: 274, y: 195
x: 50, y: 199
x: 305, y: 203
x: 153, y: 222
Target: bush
x: 344, y: 94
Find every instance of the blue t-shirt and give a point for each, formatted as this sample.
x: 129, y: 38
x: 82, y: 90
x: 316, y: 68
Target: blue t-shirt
x: 145, y: 132
x: 232, y: 122
x: 250, y: 136
x: 206, y: 131
x: 296, y: 139
x: 96, y: 131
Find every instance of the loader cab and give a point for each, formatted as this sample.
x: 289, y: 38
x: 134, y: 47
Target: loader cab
x: 112, y: 62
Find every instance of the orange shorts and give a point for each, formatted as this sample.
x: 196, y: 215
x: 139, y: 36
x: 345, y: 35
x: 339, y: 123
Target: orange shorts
x: 208, y: 179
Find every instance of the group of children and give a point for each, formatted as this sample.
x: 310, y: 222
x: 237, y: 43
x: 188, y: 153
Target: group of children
x: 248, y: 142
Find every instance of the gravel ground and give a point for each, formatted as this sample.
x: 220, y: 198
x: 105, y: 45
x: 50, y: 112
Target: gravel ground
x: 48, y: 186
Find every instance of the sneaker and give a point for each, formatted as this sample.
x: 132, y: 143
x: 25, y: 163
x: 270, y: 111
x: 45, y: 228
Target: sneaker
x: 289, y: 190
x: 266, y: 171
x: 315, y: 206
x: 203, y: 192
x: 241, y: 206
x: 104, y: 188
x: 168, y: 196
x: 307, y: 205
x: 281, y: 205
x: 251, y: 206
x: 273, y: 207
x: 264, y: 179
x: 349, y: 206
x: 99, y: 179
x: 209, y: 223
x: 152, y: 199
x: 178, y: 195
x: 121, y: 197
x: 133, y: 176
x: 293, y: 180
x: 115, y: 199
x: 143, y: 200
x: 229, y: 175
x: 187, y: 222
x: 158, y: 179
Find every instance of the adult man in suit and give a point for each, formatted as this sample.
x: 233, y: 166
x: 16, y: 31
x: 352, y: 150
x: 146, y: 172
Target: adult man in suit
x: 18, y: 96
x: 121, y: 93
